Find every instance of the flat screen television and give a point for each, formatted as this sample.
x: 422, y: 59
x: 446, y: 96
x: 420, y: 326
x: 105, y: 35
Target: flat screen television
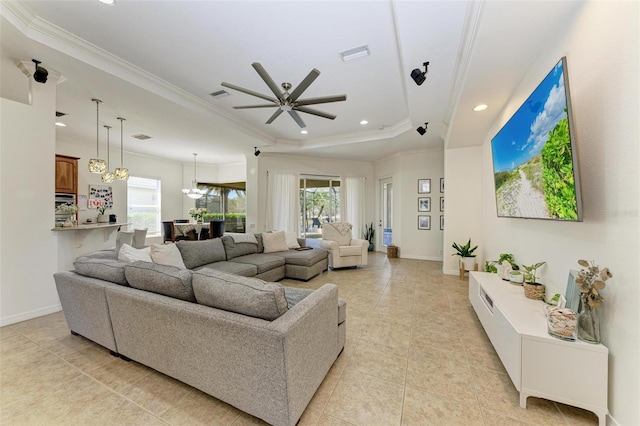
x: 535, y: 166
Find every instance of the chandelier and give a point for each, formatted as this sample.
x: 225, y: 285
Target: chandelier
x: 194, y: 192
x: 96, y: 165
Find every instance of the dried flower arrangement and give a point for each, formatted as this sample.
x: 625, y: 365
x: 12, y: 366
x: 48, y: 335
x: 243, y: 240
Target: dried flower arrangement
x: 590, y: 281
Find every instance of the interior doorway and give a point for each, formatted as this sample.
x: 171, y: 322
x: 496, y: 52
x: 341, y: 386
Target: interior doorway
x: 385, y: 225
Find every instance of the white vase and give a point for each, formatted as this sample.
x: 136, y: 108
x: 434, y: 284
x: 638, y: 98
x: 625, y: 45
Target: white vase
x: 103, y: 218
x: 469, y: 263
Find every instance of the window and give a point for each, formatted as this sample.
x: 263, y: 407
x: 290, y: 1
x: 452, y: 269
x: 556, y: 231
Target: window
x: 226, y: 201
x: 319, y: 203
x: 143, y: 201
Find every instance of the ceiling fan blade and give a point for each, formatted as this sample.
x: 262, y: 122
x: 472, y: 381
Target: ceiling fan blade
x: 315, y: 112
x: 267, y: 79
x: 255, y: 106
x: 297, y: 119
x: 249, y: 92
x: 274, y: 116
x: 304, y: 84
x: 322, y: 100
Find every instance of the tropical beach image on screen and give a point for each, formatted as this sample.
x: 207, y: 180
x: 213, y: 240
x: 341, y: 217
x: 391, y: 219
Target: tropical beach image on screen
x: 533, y: 159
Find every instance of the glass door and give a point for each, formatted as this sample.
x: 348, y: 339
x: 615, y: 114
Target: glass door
x: 386, y: 212
x: 319, y: 203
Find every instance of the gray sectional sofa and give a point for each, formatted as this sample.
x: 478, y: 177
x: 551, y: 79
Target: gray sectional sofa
x: 259, y: 346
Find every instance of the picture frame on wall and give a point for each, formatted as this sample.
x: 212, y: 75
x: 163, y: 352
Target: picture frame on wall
x: 424, y: 186
x: 424, y: 204
x: 424, y: 222
x: 442, y: 185
x: 441, y: 204
x: 442, y: 222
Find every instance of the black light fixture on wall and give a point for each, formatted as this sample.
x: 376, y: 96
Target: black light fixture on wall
x: 422, y: 130
x: 256, y: 151
x: 40, y: 74
x: 418, y: 76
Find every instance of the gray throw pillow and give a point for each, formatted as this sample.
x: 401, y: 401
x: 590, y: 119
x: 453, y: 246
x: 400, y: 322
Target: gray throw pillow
x: 102, y: 269
x: 198, y: 253
x: 233, y: 249
x: 162, y: 279
x: 295, y: 295
x: 243, y: 295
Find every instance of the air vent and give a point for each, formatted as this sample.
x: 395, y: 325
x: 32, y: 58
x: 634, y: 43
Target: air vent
x: 355, y: 53
x: 141, y: 137
x: 60, y: 114
x: 220, y: 94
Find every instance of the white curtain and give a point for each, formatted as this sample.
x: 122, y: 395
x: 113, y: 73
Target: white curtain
x: 283, y: 202
x: 353, y: 203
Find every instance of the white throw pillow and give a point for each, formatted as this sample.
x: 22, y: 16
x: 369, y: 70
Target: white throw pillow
x: 274, y: 242
x: 292, y: 240
x: 129, y: 254
x: 167, y: 254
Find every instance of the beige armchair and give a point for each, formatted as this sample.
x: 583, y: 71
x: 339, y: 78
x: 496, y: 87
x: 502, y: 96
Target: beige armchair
x: 344, y: 251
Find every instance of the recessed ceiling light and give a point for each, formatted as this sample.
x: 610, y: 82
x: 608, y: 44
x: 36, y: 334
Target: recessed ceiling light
x: 480, y: 107
x: 60, y: 124
x: 304, y: 131
x: 363, y: 122
x: 108, y: 2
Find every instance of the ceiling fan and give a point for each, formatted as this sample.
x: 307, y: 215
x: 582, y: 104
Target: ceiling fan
x: 286, y: 101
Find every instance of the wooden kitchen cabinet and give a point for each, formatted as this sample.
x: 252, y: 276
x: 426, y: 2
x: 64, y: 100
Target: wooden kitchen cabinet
x: 66, y: 174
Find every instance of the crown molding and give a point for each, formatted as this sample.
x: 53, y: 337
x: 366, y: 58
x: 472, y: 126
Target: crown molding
x: 42, y: 31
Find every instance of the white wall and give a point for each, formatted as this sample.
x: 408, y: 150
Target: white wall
x: 463, y: 204
x: 405, y: 169
x: 603, y: 70
x: 27, y: 244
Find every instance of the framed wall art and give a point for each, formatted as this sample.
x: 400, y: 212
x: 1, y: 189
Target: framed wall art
x: 424, y: 222
x: 424, y: 204
x: 441, y: 204
x: 442, y: 185
x: 100, y: 196
x: 424, y: 186
x: 442, y: 222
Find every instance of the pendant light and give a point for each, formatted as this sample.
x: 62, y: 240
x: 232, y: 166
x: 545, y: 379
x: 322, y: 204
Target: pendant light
x: 121, y: 172
x: 107, y: 176
x: 194, y: 192
x: 96, y: 165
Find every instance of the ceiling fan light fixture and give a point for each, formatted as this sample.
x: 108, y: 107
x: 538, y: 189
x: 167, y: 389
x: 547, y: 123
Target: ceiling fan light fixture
x: 355, y: 53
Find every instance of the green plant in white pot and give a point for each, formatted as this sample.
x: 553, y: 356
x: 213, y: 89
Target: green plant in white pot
x: 369, y: 234
x: 466, y: 254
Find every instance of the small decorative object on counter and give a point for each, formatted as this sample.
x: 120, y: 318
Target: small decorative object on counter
x: 503, y: 270
x: 516, y: 277
x: 590, y: 281
x: 102, y: 218
x: 533, y: 289
x: 68, y: 209
x: 561, y: 323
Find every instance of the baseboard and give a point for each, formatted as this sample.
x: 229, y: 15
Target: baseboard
x: 30, y: 315
x: 451, y: 271
x: 433, y: 258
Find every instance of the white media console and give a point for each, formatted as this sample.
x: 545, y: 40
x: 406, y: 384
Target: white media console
x: 573, y: 373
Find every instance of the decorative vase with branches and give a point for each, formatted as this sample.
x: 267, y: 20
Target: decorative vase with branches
x: 591, y: 279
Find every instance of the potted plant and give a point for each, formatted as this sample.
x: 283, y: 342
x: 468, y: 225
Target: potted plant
x: 369, y: 234
x: 505, y: 272
x: 466, y: 254
x: 532, y: 288
x: 102, y: 218
x: 197, y: 213
x: 490, y: 266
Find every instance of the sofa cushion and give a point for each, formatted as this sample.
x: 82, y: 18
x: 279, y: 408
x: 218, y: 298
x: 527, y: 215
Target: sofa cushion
x: 233, y: 249
x: 103, y: 254
x: 263, y: 262
x: 274, y: 242
x: 260, y: 243
x: 304, y: 257
x: 167, y: 254
x: 342, y: 310
x: 350, y: 251
x: 243, y: 295
x: 104, y: 269
x: 128, y: 254
x: 295, y: 295
x: 244, y: 269
x: 198, y: 253
x: 292, y: 240
x: 162, y: 279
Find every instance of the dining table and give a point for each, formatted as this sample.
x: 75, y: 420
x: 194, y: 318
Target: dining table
x: 183, y: 229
